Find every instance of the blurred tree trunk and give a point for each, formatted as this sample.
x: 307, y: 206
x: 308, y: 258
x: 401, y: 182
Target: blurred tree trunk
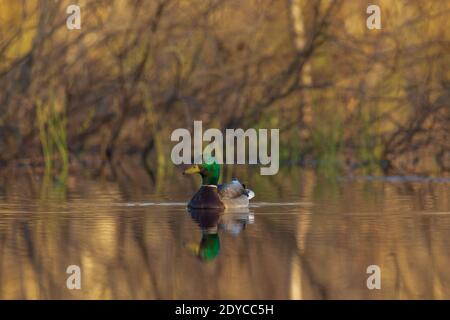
x: 299, y: 12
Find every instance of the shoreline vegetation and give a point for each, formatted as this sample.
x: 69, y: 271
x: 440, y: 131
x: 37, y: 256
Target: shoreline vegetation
x: 347, y: 100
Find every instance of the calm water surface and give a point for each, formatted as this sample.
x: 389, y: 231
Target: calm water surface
x: 304, y: 237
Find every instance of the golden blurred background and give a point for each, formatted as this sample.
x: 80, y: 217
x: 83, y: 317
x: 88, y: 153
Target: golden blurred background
x: 345, y: 98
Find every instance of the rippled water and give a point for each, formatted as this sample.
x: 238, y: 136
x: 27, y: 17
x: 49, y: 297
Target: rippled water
x: 304, y: 237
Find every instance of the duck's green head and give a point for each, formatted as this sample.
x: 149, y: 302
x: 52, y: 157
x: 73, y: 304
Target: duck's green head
x: 209, y: 170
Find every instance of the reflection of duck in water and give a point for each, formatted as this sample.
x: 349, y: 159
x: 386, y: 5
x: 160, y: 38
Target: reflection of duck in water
x: 210, y: 221
x: 214, y: 196
x: 209, y: 245
x: 234, y: 221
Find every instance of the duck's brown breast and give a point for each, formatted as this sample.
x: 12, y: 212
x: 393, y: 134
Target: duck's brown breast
x: 207, y: 197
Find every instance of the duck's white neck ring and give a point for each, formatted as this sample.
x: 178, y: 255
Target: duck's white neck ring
x: 209, y: 185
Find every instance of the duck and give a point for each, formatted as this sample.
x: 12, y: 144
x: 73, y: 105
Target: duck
x: 212, y: 195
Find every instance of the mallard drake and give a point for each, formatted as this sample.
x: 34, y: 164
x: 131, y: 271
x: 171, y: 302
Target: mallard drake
x: 211, y: 195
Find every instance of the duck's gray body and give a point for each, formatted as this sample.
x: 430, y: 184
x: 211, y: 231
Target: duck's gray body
x: 234, y: 194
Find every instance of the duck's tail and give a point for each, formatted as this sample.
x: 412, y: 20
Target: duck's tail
x: 250, y: 194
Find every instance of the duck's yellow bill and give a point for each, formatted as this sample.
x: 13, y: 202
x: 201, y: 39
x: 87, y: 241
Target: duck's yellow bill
x: 192, y: 169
